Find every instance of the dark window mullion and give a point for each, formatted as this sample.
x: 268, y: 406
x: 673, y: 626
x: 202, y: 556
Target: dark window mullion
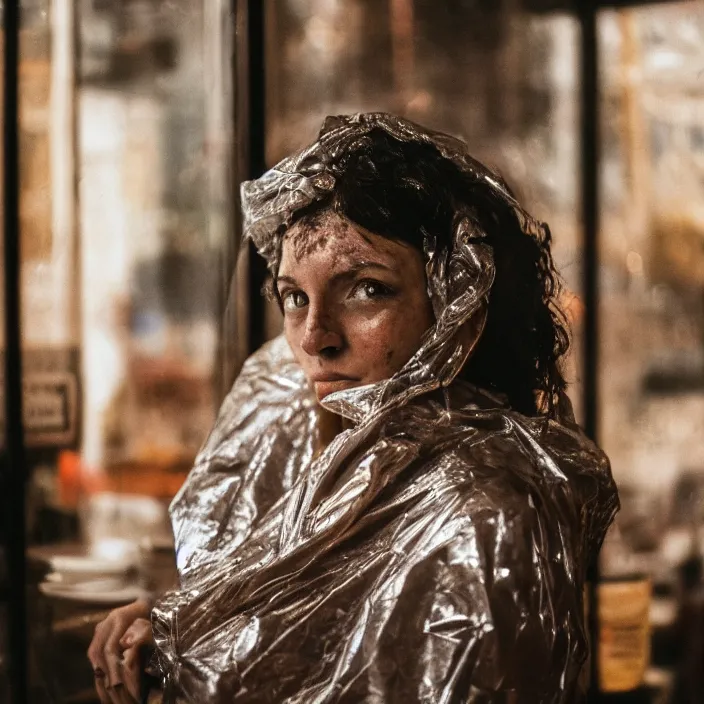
x: 13, y: 459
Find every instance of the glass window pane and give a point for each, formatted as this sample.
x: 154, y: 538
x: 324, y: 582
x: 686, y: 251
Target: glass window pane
x: 504, y: 81
x: 652, y: 380
x: 652, y: 308
x: 154, y: 220
x: 127, y: 220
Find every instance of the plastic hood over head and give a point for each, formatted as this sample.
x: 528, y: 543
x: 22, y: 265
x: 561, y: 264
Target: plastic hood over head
x: 435, y: 551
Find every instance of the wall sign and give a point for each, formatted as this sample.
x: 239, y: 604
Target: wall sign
x: 51, y: 398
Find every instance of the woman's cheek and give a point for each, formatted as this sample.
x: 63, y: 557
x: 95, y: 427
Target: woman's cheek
x: 377, y: 340
x: 402, y: 340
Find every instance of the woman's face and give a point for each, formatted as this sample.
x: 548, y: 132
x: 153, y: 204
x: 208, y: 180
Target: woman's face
x: 355, y: 304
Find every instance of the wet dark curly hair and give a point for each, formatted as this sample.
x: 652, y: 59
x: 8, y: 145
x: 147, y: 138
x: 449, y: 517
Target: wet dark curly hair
x: 407, y: 191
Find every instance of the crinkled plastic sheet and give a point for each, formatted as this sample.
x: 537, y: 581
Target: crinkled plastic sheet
x: 435, y: 551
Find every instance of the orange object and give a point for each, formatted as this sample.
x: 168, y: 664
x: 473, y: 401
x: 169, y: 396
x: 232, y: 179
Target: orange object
x: 69, y: 478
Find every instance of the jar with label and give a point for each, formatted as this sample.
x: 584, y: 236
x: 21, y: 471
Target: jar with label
x: 624, y: 622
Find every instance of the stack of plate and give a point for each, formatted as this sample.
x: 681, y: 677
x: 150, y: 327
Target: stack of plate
x: 91, y: 579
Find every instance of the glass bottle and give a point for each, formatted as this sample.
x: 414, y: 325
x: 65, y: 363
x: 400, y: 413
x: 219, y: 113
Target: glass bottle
x: 624, y: 621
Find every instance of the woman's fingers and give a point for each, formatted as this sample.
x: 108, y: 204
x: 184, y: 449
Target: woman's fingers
x: 120, y: 695
x: 102, y: 691
x: 112, y: 652
x: 124, y: 696
x: 132, y: 671
x: 138, y: 634
x: 96, y: 652
x: 105, y: 652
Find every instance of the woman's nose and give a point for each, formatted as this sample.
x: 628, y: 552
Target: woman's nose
x: 322, y: 336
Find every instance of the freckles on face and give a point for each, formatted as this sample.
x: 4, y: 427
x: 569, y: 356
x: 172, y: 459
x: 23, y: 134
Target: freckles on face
x: 386, y: 341
x: 355, y: 304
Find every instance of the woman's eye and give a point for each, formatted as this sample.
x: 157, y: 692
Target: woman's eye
x: 295, y: 300
x: 370, y: 289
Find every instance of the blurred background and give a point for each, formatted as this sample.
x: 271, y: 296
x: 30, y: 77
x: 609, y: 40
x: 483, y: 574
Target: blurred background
x: 137, y: 121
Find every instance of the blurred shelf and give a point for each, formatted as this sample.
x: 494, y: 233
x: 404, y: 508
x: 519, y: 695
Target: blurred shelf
x: 673, y: 382
x: 154, y: 481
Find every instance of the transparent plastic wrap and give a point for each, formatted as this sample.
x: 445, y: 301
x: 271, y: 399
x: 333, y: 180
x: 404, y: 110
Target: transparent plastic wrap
x: 435, y: 551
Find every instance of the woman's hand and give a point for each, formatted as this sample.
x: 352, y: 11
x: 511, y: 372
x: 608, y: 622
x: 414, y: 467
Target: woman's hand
x: 137, y: 636
x: 114, y: 652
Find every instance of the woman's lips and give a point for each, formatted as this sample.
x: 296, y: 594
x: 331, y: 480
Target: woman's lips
x: 325, y: 384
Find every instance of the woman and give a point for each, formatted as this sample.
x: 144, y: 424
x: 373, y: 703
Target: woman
x: 395, y: 504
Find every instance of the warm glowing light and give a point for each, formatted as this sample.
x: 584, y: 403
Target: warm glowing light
x: 634, y: 263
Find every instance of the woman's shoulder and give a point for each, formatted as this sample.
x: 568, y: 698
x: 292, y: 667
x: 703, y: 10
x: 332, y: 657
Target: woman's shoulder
x: 501, y: 468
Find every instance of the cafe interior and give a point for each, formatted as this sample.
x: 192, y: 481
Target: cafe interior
x: 129, y: 304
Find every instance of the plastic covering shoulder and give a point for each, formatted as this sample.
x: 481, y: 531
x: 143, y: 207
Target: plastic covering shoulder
x: 435, y: 551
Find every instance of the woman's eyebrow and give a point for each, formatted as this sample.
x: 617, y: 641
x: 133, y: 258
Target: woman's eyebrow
x: 361, y: 266
x: 342, y: 275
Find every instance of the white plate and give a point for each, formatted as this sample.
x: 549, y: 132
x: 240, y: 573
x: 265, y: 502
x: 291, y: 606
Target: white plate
x: 86, y: 582
x: 89, y: 565
x: 121, y: 595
